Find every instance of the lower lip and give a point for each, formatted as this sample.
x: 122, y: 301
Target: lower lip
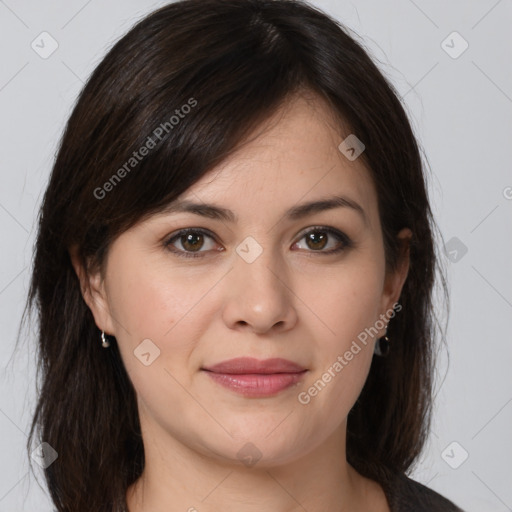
x: 257, y: 385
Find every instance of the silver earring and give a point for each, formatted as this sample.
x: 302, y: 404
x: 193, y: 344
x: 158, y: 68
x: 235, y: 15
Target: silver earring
x: 104, y: 343
x: 382, y: 346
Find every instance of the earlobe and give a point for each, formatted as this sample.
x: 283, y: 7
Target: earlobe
x: 92, y: 287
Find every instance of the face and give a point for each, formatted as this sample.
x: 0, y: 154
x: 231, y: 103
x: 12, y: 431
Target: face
x: 268, y: 281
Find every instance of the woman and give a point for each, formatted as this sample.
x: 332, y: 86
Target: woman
x: 233, y: 274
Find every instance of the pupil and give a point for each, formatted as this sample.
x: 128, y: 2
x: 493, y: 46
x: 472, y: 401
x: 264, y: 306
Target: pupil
x: 322, y: 239
x: 190, y: 237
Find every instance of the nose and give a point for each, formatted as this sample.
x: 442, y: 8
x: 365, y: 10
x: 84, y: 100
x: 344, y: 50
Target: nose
x: 258, y: 295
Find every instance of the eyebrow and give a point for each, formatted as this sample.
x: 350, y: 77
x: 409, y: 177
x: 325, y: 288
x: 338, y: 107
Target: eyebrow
x: 295, y: 213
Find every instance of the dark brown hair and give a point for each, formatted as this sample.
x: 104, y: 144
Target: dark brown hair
x: 234, y: 62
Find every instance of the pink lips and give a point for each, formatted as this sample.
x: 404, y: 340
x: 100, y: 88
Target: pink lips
x: 256, y: 378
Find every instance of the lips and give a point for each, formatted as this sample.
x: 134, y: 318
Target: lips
x: 245, y: 365
x: 256, y: 378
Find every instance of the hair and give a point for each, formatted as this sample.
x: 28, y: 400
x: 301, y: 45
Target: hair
x: 234, y: 63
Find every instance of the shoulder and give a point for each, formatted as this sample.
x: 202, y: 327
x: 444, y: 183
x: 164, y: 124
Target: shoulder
x: 405, y: 494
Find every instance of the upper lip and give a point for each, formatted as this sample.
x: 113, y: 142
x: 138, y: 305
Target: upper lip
x: 246, y: 365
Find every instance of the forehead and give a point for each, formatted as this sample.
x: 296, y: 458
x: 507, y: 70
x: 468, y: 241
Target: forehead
x: 291, y: 158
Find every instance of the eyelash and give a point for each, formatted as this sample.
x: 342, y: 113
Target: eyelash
x: 347, y: 243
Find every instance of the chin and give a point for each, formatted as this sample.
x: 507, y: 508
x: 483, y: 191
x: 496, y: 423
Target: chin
x: 258, y: 449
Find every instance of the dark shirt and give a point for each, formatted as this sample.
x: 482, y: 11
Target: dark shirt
x: 407, y: 495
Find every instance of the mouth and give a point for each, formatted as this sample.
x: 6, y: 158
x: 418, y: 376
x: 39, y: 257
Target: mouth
x: 256, y: 378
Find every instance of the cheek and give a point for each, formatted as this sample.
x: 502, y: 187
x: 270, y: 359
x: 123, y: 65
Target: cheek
x: 155, y: 306
x: 348, y: 308
x: 150, y: 304
x: 348, y: 304
x: 149, y: 300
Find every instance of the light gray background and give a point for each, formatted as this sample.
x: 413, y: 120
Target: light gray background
x: 461, y: 111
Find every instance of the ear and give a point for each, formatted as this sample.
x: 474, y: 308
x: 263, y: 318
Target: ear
x: 395, y: 280
x: 92, y: 286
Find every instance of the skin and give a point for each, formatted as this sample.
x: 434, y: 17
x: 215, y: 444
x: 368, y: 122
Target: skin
x: 292, y: 302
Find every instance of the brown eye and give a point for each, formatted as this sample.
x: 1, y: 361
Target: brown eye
x: 191, y: 241
x: 318, y: 238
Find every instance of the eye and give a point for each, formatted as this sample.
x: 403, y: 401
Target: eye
x: 317, y: 240
x: 192, y: 241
